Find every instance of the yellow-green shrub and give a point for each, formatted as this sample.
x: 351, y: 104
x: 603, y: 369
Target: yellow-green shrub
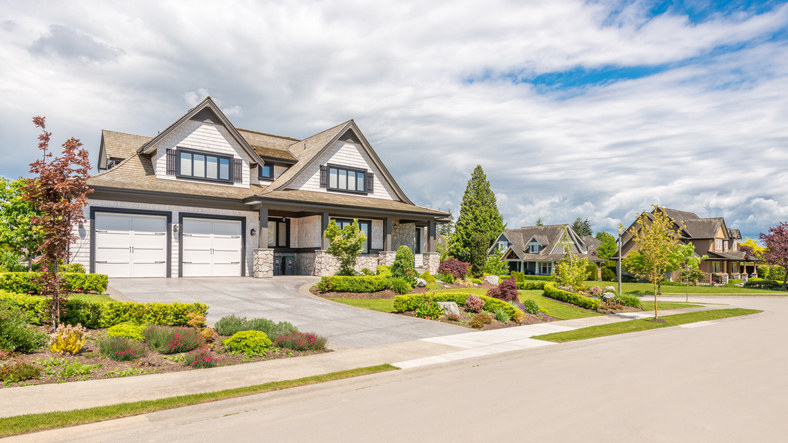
x: 126, y: 330
x: 249, y: 343
x: 68, y: 339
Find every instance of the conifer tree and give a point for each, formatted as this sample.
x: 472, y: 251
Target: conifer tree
x: 478, y: 214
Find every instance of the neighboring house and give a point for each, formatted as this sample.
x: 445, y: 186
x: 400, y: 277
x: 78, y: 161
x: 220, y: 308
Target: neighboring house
x: 709, y: 236
x: 534, y: 250
x: 203, y: 198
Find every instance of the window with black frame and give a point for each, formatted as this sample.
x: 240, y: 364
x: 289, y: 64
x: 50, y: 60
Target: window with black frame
x: 278, y: 233
x: 364, y: 226
x: 203, y: 166
x: 266, y: 172
x: 344, y: 179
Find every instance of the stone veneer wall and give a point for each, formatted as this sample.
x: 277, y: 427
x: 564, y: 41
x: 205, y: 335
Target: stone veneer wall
x: 431, y: 261
x: 263, y: 263
x: 403, y: 234
x: 326, y: 264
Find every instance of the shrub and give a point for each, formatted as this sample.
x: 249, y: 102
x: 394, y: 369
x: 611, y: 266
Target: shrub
x: 29, y: 282
x: 353, y: 284
x: 518, y: 276
x: 480, y: 319
x: 200, y: 359
x: 411, y: 302
x: 170, y: 339
x: 399, y: 285
x: 454, y: 316
x: 383, y: 270
x: 73, y: 267
x: 506, y: 291
x: 121, y: 348
x: 529, y: 307
x: 629, y: 300
x: 429, y: 309
x: 11, y: 262
x: 127, y: 330
x: 301, y: 341
x: 531, y: 285
x: 501, y: 315
x: 68, y: 339
x: 345, y: 244
x: 446, y: 278
x: 403, y: 266
x: 571, y: 271
x: 592, y: 271
x: 474, y: 304
x: 249, y: 343
x: 608, y: 274
x: 428, y: 277
x: 595, y: 291
x: 764, y: 284
x: 570, y: 297
x: 367, y: 272
x: 230, y: 325
x: 495, y: 265
x: 15, y: 334
x: 453, y: 267
x: 14, y: 373
x: 195, y: 320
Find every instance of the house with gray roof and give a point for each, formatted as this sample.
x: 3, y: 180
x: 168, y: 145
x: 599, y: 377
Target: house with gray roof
x: 534, y: 250
x: 711, y: 237
x: 204, y: 198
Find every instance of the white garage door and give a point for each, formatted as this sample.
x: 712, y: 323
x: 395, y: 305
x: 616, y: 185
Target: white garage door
x: 211, y: 247
x: 131, y: 245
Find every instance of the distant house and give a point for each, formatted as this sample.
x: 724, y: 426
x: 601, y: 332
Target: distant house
x: 534, y: 250
x: 711, y: 237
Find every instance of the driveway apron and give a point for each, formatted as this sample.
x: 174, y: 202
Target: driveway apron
x: 279, y: 299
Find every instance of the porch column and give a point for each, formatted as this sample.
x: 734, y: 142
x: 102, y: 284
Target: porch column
x: 262, y: 238
x: 324, y: 225
x: 432, y: 236
x: 263, y: 256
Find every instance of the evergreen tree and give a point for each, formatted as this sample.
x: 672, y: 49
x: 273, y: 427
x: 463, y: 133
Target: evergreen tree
x: 539, y: 222
x: 582, y: 227
x: 478, y: 214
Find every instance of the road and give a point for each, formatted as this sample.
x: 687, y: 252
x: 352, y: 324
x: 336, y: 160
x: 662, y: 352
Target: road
x: 724, y: 381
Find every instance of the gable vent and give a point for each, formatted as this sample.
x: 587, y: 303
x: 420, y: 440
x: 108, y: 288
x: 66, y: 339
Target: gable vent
x: 172, y: 158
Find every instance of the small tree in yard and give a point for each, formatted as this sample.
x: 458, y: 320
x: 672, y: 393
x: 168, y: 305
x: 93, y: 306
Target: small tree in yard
x: 479, y: 245
x: 571, y: 271
x: 345, y: 244
x: 506, y: 291
x: 478, y: 214
x: 58, y: 193
x: 608, y: 247
x: 690, y: 269
x: 776, y: 244
x: 657, y: 240
x: 19, y: 234
x: 495, y: 265
x: 403, y: 265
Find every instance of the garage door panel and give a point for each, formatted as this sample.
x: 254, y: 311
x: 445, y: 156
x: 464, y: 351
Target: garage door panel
x: 196, y: 269
x: 226, y: 270
x: 227, y: 228
x: 197, y: 226
x: 113, y: 239
x: 114, y: 269
x: 152, y: 269
x: 211, y: 247
x: 131, y: 245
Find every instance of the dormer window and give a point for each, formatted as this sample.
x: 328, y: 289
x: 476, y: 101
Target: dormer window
x: 266, y: 172
x: 533, y: 248
x: 204, y: 166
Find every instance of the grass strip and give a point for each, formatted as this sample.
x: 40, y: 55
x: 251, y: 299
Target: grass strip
x: 374, y: 304
x: 642, y: 325
x: 22, y: 424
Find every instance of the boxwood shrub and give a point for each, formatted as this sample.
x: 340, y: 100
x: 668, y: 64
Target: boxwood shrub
x: 95, y: 315
x: 550, y: 290
x: 530, y: 285
x: 27, y: 282
x: 353, y: 284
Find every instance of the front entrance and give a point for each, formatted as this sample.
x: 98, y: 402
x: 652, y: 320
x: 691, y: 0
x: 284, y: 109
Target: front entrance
x: 211, y: 248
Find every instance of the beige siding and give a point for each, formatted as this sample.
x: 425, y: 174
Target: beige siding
x: 342, y: 154
x: 201, y: 136
x: 377, y: 234
x: 305, y: 232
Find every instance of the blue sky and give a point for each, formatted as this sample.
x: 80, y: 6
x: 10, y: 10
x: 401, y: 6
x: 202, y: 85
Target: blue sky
x: 593, y: 109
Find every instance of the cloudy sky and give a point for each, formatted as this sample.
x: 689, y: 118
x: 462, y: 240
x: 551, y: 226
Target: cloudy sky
x: 593, y: 109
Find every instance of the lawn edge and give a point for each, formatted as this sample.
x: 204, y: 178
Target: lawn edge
x: 29, y: 423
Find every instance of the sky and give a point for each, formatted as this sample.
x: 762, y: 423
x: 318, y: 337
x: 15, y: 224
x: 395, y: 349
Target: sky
x: 593, y: 109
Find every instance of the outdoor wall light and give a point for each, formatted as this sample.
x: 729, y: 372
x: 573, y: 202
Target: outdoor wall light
x: 175, y: 228
x: 253, y: 232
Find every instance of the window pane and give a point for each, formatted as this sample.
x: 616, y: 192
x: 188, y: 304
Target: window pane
x: 332, y: 181
x: 342, y: 179
x: 271, y: 234
x: 199, y: 165
x: 211, y: 167
x: 224, y: 169
x: 364, y: 227
x: 266, y: 171
x: 282, y: 234
x: 351, y: 180
x: 360, y: 182
x: 186, y: 163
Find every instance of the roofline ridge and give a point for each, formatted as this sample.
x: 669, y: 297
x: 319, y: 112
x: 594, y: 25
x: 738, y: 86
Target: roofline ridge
x: 268, y: 134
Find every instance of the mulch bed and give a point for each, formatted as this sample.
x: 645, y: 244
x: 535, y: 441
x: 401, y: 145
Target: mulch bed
x: 465, y: 321
x: 152, y: 363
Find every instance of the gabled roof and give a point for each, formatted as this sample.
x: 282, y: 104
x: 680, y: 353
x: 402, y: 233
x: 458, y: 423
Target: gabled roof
x: 550, y: 237
x: 118, y: 145
x: 269, y: 146
x: 206, y: 105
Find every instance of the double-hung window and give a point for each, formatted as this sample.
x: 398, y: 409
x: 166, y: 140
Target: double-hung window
x: 345, y: 179
x: 364, y: 226
x: 266, y: 172
x: 204, y: 166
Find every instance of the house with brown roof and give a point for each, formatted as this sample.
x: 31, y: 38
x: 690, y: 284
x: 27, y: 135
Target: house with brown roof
x: 534, y: 250
x: 204, y: 198
x: 711, y: 237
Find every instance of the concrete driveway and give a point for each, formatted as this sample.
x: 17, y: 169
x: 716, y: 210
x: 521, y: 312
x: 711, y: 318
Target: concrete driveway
x: 279, y: 299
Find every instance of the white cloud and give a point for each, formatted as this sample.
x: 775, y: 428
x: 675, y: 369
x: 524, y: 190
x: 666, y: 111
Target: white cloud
x: 707, y: 135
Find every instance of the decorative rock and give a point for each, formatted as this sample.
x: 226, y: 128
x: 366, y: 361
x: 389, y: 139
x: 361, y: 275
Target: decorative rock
x: 420, y: 283
x: 608, y: 296
x: 492, y: 279
x: 610, y: 289
x: 449, y: 307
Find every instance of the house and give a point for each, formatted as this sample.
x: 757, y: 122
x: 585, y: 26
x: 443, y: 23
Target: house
x: 534, y: 250
x: 204, y: 198
x: 711, y: 237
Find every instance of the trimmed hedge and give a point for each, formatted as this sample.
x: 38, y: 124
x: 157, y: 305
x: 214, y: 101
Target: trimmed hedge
x: 353, y: 284
x: 411, y: 302
x: 26, y: 282
x: 764, y: 284
x: 531, y: 285
x: 96, y: 315
x: 550, y: 290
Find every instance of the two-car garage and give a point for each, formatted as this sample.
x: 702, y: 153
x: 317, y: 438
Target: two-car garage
x: 127, y: 243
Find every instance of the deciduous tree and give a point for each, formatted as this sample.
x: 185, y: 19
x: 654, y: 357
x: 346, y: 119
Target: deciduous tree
x: 478, y: 214
x: 608, y: 247
x: 776, y: 244
x: 18, y: 232
x: 345, y: 244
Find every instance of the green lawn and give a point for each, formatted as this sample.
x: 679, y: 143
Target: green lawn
x: 103, y: 298
x: 374, y: 304
x: 642, y: 325
x: 649, y: 305
x: 648, y: 288
x: 555, y: 308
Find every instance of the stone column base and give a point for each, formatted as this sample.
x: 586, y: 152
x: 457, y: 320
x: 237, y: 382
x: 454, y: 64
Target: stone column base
x: 263, y: 263
x: 386, y: 258
x: 431, y: 261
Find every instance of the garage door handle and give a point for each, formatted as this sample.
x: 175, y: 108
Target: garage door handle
x: 235, y: 263
x: 159, y: 262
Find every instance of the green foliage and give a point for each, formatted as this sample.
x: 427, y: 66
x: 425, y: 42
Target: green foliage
x: 345, y: 244
x: 15, y: 334
x: 571, y: 271
x: 428, y: 277
x: 353, y: 284
x: 17, y: 372
x: 531, y: 285
x: 478, y: 246
x: 68, y: 339
x: 19, y: 233
x: 550, y: 290
x: 446, y: 278
x: 501, y: 315
x: 301, y: 341
x: 608, y: 247
x: 231, y: 324
x: 530, y: 307
x: 767, y: 272
x: 429, y: 309
x: 200, y: 359
x: 478, y: 214
x: 249, y: 343
x: 127, y: 330
x: 171, y: 339
x: 608, y: 274
x: 403, y: 266
x: 495, y: 265
x: 30, y: 282
x: 383, y: 271
x: 480, y: 319
x: 62, y: 369
x: 592, y: 272
x: 764, y: 284
x: 121, y: 348
x: 11, y: 262
x: 518, y: 276
x: 629, y: 300
x: 73, y: 267
x: 411, y: 302
x: 399, y: 285
x: 582, y: 227
x: 367, y: 272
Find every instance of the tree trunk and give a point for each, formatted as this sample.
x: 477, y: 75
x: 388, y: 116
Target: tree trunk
x: 30, y: 263
x: 686, y: 298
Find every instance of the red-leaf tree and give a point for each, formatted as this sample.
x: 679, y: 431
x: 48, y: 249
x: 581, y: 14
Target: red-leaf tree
x: 59, y: 193
x: 776, y: 242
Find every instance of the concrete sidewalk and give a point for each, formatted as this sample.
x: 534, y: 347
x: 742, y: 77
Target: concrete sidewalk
x: 428, y: 351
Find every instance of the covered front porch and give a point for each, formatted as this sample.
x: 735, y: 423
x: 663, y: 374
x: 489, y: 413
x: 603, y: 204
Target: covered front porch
x: 531, y: 267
